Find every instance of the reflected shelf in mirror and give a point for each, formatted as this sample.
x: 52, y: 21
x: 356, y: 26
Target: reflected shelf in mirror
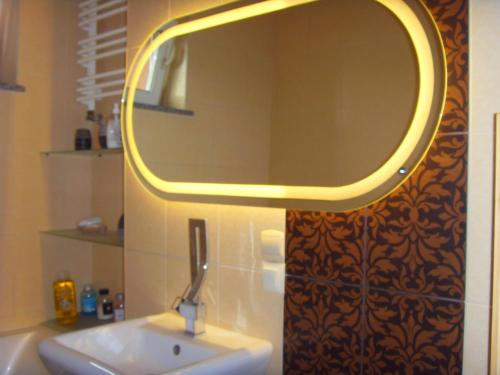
x: 162, y: 108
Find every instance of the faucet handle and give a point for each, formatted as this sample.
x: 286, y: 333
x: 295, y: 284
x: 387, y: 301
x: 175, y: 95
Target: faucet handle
x: 176, y: 303
x: 179, y: 299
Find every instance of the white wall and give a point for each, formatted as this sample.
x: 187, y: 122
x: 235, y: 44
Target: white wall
x: 484, y: 102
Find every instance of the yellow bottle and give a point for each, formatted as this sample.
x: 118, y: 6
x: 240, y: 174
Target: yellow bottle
x: 65, y: 299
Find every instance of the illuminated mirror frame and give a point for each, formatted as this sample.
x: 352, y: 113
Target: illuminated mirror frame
x: 280, y: 195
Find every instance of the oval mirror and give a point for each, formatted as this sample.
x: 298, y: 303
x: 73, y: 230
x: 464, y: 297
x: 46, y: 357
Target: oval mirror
x: 326, y: 104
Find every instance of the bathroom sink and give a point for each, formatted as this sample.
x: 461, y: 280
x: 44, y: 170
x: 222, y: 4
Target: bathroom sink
x: 154, y: 345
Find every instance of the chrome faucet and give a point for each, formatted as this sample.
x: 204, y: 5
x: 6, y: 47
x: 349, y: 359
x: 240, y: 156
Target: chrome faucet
x: 190, y: 306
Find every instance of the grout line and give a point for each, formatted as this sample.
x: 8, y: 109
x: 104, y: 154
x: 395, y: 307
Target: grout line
x: 418, y: 295
x: 239, y: 268
x: 443, y: 134
x: 165, y: 248
x: 364, y: 290
x: 337, y: 283
x: 340, y: 283
x: 218, y: 263
x: 147, y: 252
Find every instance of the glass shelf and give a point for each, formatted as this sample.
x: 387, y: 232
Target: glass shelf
x: 111, y: 238
x: 82, y: 322
x: 98, y: 153
x: 162, y: 108
x: 5, y: 86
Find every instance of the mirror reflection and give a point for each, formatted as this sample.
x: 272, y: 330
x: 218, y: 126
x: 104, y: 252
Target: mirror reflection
x: 320, y: 94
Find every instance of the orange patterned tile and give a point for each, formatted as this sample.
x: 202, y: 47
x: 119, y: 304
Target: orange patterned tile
x: 411, y: 335
x: 406, y: 253
x: 322, y: 329
x: 324, y: 246
x: 452, y: 19
x: 416, y: 237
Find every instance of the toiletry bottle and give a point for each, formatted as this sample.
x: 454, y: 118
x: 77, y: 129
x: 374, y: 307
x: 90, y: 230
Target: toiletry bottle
x: 119, y: 310
x: 88, y: 300
x: 83, y: 139
x: 65, y: 299
x: 121, y: 227
x: 113, y: 134
x: 102, y: 131
x: 104, y: 305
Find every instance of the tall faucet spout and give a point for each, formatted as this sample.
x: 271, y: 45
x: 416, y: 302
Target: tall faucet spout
x: 191, y: 306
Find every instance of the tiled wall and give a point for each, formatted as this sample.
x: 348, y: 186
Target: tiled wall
x: 157, y: 263
x: 149, y: 227
x: 381, y: 290
x: 38, y: 192
x: 484, y: 103
x: 107, y: 183
x: 156, y: 244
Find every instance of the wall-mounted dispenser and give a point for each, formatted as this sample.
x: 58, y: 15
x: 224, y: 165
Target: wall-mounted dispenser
x: 273, y: 260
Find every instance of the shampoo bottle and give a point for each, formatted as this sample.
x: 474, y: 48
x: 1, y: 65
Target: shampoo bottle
x: 65, y: 299
x: 113, y: 135
x: 88, y: 300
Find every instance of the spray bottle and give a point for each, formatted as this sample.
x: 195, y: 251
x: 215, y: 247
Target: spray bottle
x: 113, y: 136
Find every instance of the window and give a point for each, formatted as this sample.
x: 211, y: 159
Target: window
x: 9, y: 21
x: 164, y: 79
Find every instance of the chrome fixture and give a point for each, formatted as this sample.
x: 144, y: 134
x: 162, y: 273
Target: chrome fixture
x: 191, y: 307
x: 403, y: 171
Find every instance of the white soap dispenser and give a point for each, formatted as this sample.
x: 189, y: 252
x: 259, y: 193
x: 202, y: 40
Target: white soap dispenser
x: 113, y: 131
x: 273, y: 260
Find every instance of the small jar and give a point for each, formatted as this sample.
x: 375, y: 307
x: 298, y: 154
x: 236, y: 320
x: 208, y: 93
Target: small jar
x: 83, y: 139
x: 88, y: 300
x: 104, y: 305
x: 119, y: 310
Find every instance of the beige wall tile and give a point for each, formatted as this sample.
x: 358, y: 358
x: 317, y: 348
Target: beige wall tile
x: 240, y: 228
x: 476, y: 343
x: 107, y: 189
x: 484, y: 102
x: 30, y: 283
x: 145, y: 284
x: 247, y: 308
x: 178, y: 215
x: 179, y: 8
x: 479, y: 229
x: 145, y: 217
x: 143, y: 17
x: 38, y: 192
x: 107, y: 268
x: 7, y: 278
x: 107, y: 202
x: 131, y: 52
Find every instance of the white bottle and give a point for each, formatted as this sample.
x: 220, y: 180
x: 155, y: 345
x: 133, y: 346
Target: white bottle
x: 119, y: 308
x: 113, y: 131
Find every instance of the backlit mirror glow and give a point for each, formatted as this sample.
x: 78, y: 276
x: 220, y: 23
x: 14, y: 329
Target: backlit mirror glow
x: 312, y: 104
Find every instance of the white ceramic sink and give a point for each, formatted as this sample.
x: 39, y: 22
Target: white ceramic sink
x: 149, y: 345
